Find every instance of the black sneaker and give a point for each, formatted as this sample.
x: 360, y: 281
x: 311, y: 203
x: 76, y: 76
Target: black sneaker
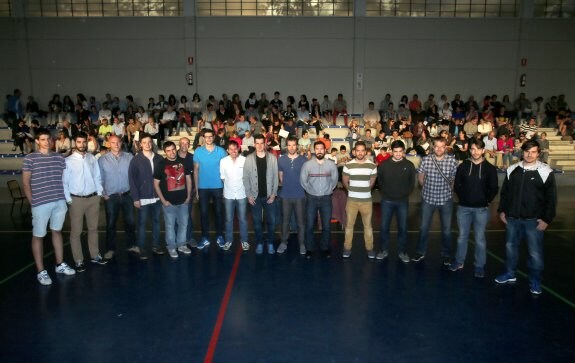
x: 98, y: 260
x: 418, y: 257
x: 446, y: 260
x: 158, y: 251
x: 327, y: 254
x: 80, y: 267
x: 308, y: 254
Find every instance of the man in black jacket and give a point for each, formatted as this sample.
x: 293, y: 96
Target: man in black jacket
x: 396, y: 179
x: 476, y: 186
x: 528, y: 204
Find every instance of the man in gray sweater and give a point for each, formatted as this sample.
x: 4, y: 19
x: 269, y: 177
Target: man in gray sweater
x: 318, y: 178
x: 396, y: 180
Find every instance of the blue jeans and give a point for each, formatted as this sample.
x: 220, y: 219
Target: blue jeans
x: 189, y: 230
x: 216, y: 196
x: 467, y: 216
x: 172, y: 214
x: 388, y: 208
x: 270, y: 212
x: 323, y: 206
x: 516, y: 230
x: 114, y: 204
x: 144, y: 212
x: 445, y: 211
x: 239, y: 205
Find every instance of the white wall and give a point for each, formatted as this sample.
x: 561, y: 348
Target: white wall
x: 315, y: 56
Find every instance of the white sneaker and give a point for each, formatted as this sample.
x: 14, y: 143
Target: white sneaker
x: 134, y: 250
x: 183, y: 249
x: 44, y: 278
x: 282, y: 248
x: 172, y: 252
x: 63, y: 268
x: 226, y: 246
x: 245, y: 246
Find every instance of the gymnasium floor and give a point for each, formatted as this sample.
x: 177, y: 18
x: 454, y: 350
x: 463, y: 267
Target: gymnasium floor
x: 240, y: 307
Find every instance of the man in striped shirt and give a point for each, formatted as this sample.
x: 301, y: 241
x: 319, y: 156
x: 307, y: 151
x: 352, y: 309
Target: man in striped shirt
x: 42, y: 180
x: 358, y: 178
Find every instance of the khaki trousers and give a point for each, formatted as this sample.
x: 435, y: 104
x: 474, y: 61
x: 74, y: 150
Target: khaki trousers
x: 90, y: 208
x: 366, y: 211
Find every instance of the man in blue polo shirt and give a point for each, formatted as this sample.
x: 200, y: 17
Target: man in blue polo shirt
x: 292, y: 194
x: 209, y: 187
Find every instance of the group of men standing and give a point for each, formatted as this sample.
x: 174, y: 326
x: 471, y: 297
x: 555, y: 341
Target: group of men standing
x: 230, y: 181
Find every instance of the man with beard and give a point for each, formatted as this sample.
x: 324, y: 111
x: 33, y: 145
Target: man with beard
x: 318, y: 178
x: 83, y: 189
x: 358, y: 178
x: 292, y: 193
x: 476, y: 186
x: 173, y: 185
x: 436, y: 174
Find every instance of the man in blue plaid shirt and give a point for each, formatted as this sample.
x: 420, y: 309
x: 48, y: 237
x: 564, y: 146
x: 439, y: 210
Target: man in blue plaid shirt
x: 436, y: 175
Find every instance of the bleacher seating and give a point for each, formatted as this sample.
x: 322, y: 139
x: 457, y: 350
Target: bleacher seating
x: 561, y: 155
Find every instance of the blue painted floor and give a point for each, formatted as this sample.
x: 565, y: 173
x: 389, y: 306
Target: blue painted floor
x: 284, y: 308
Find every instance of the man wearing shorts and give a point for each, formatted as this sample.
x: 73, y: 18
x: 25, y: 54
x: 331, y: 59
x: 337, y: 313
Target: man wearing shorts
x: 42, y: 180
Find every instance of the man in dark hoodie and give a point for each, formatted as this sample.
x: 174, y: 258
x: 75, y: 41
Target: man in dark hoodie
x: 528, y: 204
x: 476, y: 186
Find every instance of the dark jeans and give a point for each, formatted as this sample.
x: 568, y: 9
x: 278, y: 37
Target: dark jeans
x: 190, y: 231
x: 517, y: 229
x: 289, y: 206
x: 322, y: 205
x: 388, y: 208
x: 115, y: 204
x: 269, y: 209
x: 445, y: 215
x: 149, y: 211
x: 216, y: 196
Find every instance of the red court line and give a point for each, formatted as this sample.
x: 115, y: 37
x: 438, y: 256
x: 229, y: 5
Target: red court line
x: 223, y: 307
